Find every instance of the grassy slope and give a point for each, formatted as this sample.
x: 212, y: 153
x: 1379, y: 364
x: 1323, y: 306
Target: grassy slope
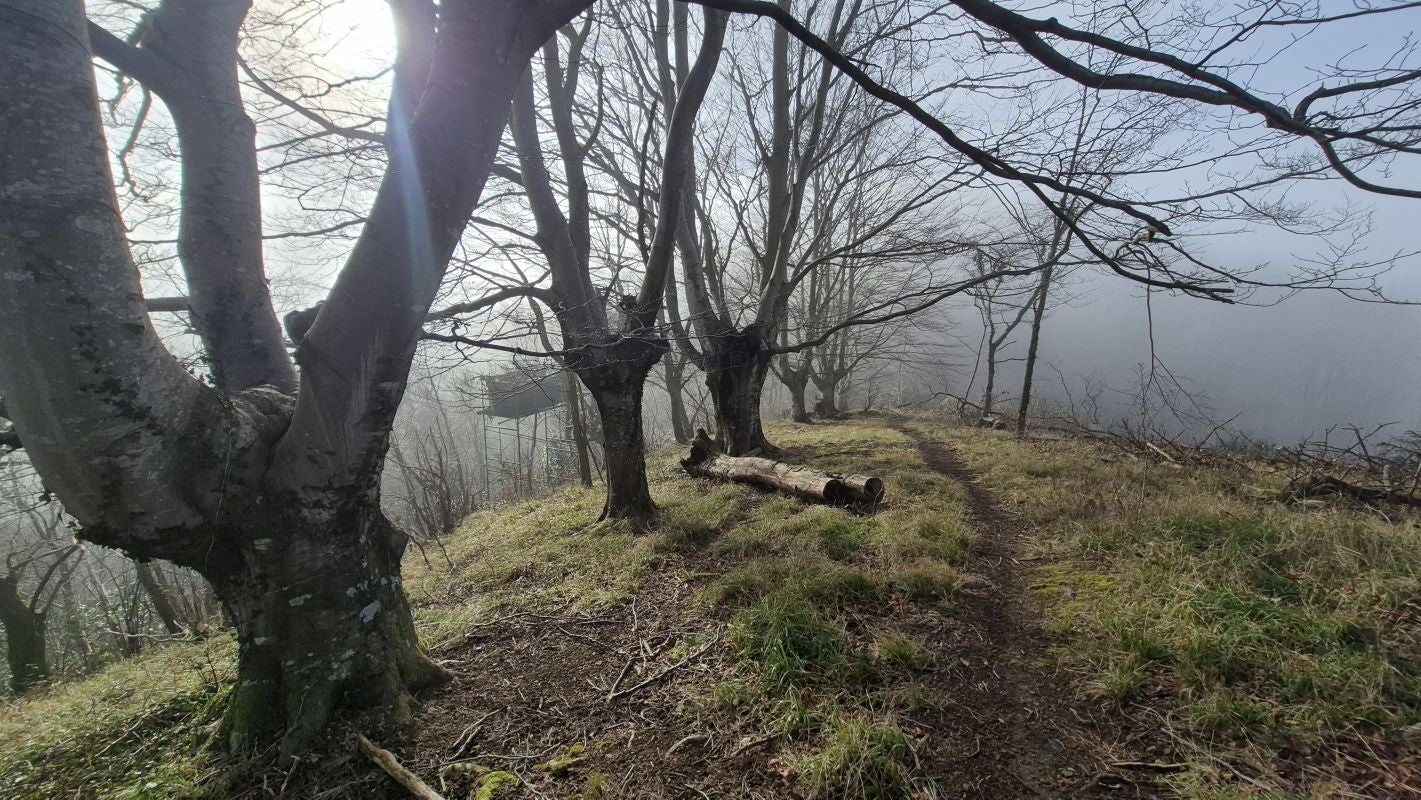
x: 1258, y: 629
x: 1286, y: 639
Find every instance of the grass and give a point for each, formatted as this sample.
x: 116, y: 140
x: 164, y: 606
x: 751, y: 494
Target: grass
x: 779, y: 572
x: 859, y: 757
x: 1265, y: 629
x: 137, y: 729
x: 1255, y: 628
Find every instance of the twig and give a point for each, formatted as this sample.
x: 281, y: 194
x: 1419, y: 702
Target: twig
x: 386, y: 760
x: 662, y: 674
x: 753, y: 743
x: 467, y: 737
x: 621, y: 677
x: 694, y: 737
x: 1149, y: 766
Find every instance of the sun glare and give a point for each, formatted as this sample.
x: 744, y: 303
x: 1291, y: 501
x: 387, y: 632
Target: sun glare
x: 361, y: 32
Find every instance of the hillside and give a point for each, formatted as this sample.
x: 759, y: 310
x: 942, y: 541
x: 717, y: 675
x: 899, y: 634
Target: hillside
x: 1041, y: 618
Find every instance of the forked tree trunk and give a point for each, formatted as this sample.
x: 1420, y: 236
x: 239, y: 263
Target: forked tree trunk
x: 322, y: 623
x: 274, y: 499
x: 616, y: 378
x: 736, y: 368
x: 24, y: 638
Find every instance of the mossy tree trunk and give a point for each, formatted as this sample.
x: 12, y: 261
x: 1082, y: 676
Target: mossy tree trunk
x: 322, y: 623
x: 266, y: 487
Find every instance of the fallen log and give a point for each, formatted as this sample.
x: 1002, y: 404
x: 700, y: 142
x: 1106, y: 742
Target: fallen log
x: 706, y: 461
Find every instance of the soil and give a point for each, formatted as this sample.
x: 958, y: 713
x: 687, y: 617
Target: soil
x: 628, y: 686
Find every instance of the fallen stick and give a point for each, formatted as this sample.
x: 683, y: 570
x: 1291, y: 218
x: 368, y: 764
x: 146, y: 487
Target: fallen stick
x: 386, y: 760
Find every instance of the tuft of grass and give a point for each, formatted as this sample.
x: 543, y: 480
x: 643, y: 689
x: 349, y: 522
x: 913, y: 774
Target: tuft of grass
x: 794, y: 645
x: 811, y: 577
x: 694, y: 522
x: 900, y: 652
x: 927, y: 580
x: 860, y: 758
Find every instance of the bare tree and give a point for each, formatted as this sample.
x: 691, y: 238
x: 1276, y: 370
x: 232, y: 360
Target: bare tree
x: 611, y: 356
x: 151, y: 460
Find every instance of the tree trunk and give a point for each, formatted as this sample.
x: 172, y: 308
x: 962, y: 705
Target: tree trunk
x: 24, y: 638
x: 579, y: 430
x: 675, y: 368
x: 989, y: 393
x: 158, y: 596
x: 1037, y: 315
x: 797, y: 383
x: 616, y: 378
x: 736, y: 368
x: 274, y: 499
x: 322, y: 623
x: 828, y: 385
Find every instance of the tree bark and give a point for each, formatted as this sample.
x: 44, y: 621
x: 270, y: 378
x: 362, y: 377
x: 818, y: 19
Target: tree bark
x: 316, y: 641
x: 25, y: 647
x: 615, y: 376
x: 737, y: 363
x: 188, y: 57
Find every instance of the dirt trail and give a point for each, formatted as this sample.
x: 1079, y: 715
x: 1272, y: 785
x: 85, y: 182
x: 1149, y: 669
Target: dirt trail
x: 1014, y: 727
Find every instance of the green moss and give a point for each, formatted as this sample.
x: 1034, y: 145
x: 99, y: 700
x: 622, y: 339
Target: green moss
x: 494, y: 784
x: 570, y: 757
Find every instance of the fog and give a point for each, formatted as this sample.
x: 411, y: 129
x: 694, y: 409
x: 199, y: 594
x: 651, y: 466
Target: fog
x: 1287, y: 371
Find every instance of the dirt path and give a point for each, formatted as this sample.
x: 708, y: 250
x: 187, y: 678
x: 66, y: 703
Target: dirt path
x: 1019, y: 730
